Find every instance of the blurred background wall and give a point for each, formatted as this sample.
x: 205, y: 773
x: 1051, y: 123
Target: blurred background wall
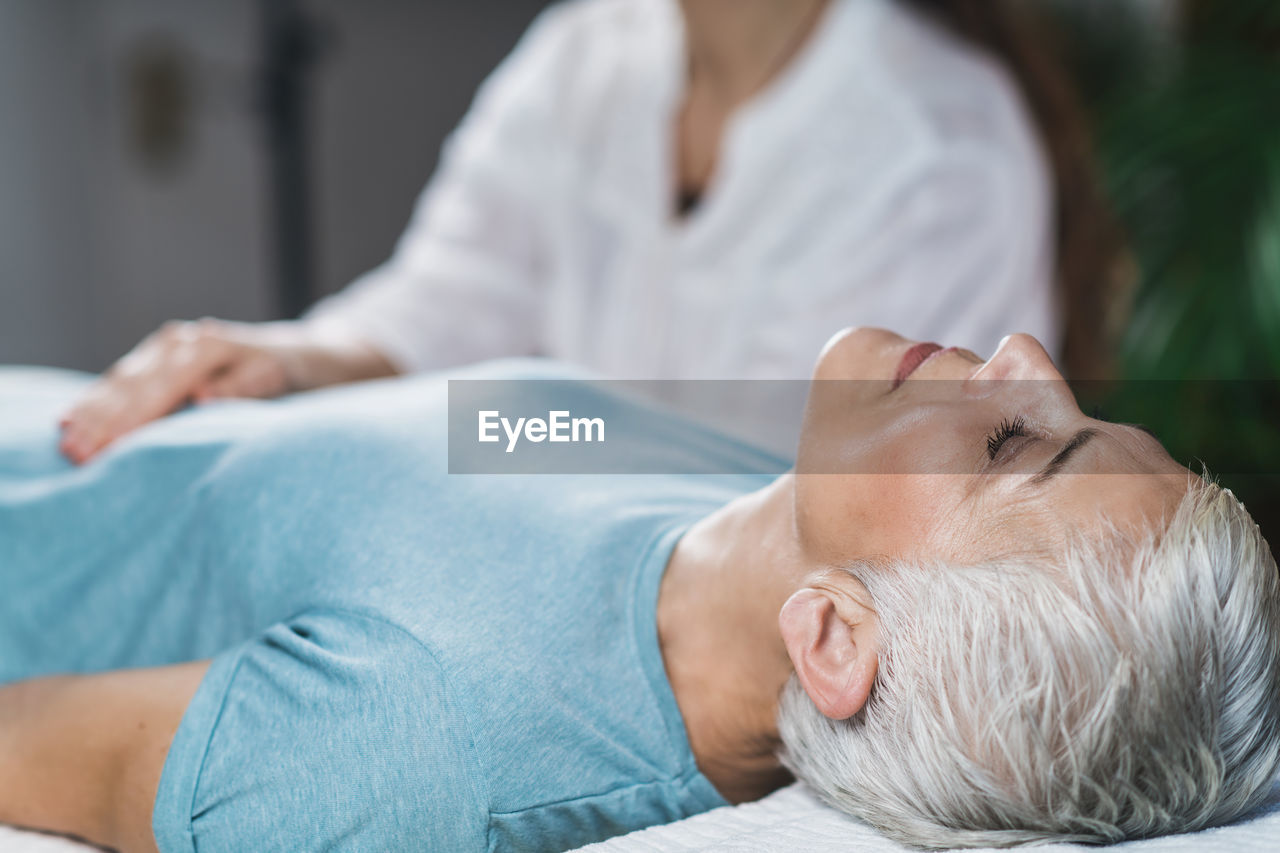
x: 138, y: 181
x: 45, y: 169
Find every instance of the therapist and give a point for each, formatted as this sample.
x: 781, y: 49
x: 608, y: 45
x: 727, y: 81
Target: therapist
x: 700, y: 189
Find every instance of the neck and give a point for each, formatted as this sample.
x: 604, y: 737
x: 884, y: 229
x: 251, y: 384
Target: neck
x: 718, y: 626
x: 736, y: 47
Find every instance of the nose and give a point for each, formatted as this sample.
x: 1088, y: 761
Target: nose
x: 1019, y: 357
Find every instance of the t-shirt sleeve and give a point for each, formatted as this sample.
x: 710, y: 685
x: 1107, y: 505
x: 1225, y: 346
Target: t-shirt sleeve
x: 334, y: 731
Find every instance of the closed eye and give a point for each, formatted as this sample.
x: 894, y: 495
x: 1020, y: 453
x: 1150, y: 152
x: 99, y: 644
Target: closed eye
x: 1000, y: 436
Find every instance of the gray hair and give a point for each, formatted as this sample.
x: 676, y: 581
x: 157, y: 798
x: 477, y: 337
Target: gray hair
x: 1129, y: 688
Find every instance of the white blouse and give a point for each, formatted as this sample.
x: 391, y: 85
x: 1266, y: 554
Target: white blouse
x: 888, y: 177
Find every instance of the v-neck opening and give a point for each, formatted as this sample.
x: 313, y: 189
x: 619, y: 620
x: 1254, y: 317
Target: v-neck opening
x: 793, y: 79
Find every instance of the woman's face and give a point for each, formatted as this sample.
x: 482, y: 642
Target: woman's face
x: 914, y: 451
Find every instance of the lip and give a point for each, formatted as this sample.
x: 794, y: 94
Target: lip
x: 913, y: 358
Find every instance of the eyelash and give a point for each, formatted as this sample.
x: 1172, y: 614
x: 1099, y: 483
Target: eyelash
x: 1006, y: 430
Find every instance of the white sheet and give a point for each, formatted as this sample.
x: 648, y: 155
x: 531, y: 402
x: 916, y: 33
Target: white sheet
x: 792, y: 819
x: 16, y: 841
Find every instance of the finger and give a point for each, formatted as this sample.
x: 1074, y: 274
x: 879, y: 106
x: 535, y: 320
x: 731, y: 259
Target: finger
x: 81, y: 441
x: 151, y: 381
x: 94, y: 426
x: 169, y: 380
x: 84, y: 427
x: 254, y: 376
x: 74, y: 445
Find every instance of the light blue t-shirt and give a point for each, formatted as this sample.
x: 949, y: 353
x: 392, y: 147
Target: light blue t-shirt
x: 402, y: 658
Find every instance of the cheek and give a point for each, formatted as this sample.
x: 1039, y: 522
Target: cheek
x: 846, y: 435
x: 842, y: 518
x: 843, y: 437
x: 904, y: 514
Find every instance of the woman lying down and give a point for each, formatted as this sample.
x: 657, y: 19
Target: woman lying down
x: 269, y: 626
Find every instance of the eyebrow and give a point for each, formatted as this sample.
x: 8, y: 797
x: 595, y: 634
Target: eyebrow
x: 1057, y: 463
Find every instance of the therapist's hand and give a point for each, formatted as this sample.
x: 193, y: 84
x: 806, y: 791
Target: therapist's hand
x: 208, y: 359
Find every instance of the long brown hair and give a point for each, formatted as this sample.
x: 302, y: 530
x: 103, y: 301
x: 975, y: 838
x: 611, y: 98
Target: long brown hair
x: 1089, y: 270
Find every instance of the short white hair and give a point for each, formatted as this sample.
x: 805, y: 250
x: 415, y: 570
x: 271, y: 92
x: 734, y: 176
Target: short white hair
x: 1128, y: 688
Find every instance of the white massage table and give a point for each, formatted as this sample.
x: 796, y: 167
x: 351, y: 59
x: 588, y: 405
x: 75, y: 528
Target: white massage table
x: 793, y: 820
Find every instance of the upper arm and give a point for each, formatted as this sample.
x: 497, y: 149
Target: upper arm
x: 82, y: 754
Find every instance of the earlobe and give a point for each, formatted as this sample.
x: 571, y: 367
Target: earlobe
x: 832, y: 642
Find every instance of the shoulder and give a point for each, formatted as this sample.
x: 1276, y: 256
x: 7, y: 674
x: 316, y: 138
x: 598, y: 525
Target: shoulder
x: 958, y: 103
x: 898, y: 111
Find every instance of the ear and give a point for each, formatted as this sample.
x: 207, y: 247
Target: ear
x: 833, y: 643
